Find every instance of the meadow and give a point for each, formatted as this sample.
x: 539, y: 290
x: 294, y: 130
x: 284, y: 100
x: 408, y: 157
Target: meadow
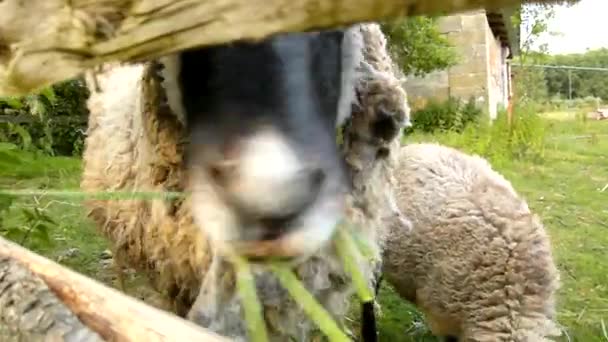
x: 560, y: 165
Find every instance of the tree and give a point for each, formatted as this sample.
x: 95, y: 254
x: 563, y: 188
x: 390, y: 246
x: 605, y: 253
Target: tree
x: 51, y: 121
x: 585, y: 83
x: 417, y: 45
x: 533, y: 22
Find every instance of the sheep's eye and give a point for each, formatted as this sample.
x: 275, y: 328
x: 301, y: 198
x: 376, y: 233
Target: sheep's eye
x: 382, y: 153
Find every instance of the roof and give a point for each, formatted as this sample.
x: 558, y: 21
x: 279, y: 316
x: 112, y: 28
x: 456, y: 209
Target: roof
x: 502, y: 27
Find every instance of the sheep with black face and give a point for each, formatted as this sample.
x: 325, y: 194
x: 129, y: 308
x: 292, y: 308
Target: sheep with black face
x: 261, y: 120
x: 249, y: 131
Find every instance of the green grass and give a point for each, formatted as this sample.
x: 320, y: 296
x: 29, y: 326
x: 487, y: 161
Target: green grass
x: 564, y: 188
x: 73, y: 230
x: 561, y: 115
x: 562, y: 184
x: 74, y: 240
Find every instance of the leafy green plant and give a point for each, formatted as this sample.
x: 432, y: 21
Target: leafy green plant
x: 24, y: 139
x: 11, y: 102
x: 450, y: 114
x: 501, y: 142
x: 418, y: 46
x: 527, y: 135
x: 35, y: 225
x: 57, y: 121
x: 5, y: 204
x: 470, y: 112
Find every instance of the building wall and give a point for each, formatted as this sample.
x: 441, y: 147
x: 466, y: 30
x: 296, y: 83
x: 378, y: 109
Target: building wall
x: 498, y: 75
x: 481, y: 71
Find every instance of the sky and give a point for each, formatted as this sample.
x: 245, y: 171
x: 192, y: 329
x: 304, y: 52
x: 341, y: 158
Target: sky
x: 581, y: 27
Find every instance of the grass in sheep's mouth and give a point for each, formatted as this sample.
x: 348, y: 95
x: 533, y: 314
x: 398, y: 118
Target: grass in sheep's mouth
x: 349, y: 247
x: 245, y: 283
x: 308, y: 303
x: 349, y: 252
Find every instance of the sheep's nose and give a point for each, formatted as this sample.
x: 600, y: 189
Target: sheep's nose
x: 309, y: 184
x: 299, y: 193
x: 265, y: 180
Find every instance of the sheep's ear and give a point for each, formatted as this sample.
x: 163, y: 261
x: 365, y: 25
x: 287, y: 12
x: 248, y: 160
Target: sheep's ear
x: 386, y: 126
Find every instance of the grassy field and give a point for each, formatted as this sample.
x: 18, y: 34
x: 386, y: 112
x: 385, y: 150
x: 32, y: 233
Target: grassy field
x: 564, y: 186
x: 565, y: 182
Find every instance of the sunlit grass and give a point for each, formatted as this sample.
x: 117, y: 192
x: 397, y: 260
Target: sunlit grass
x: 33, y: 181
x: 563, y: 187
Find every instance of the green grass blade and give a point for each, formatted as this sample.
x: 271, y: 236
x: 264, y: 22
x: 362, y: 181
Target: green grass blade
x: 347, y: 251
x: 309, y: 304
x: 254, y: 317
x: 98, y: 195
x: 363, y: 246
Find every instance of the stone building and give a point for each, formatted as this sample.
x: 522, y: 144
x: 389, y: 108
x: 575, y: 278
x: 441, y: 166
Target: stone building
x: 485, y: 42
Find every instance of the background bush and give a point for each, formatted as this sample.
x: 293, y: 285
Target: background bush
x: 499, y: 142
x: 417, y: 45
x: 56, y: 119
x: 449, y: 115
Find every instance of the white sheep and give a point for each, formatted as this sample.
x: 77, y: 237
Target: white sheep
x: 474, y: 258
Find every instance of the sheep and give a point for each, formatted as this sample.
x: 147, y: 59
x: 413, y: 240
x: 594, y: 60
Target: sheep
x: 137, y: 139
x: 287, y: 89
x: 471, y: 255
x: 370, y: 144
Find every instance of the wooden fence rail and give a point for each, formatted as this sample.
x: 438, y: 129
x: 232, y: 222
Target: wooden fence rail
x: 44, y: 301
x: 43, y: 42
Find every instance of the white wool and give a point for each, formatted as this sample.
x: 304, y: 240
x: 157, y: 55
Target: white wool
x: 352, y: 56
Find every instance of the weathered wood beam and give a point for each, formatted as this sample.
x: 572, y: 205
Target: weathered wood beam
x: 43, y: 42
x: 42, y: 300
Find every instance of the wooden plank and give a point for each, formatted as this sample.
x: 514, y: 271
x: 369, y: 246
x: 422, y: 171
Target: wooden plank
x: 43, y: 42
x: 105, y: 311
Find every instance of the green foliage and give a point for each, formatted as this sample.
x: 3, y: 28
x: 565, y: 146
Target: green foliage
x: 34, y: 225
x: 584, y: 83
x: 57, y: 122
x: 532, y: 20
x: 450, y: 115
x: 5, y: 204
x: 529, y: 84
x: 553, y: 85
x: 500, y: 142
x: 11, y: 102
x: 21, y: 136
x: 417, y: 45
